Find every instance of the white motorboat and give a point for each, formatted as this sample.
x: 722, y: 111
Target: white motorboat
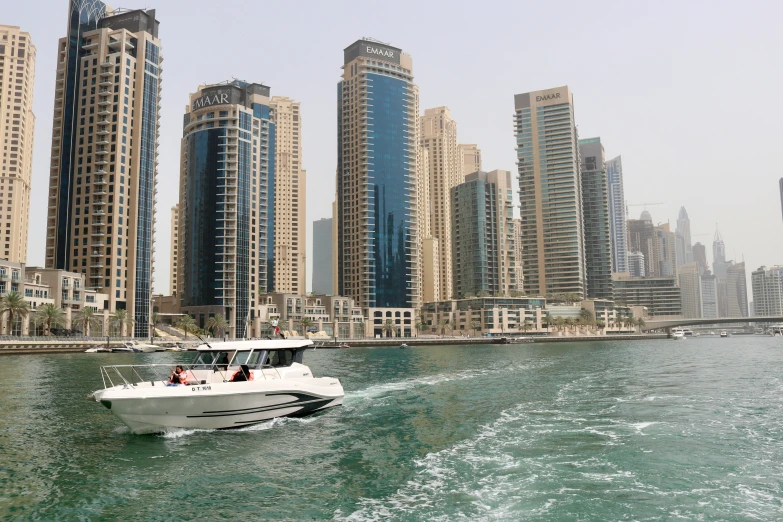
x: 724, y: 333
x: 229, y: 385
x: 678, y: 334
x: 98, y: 349
x: 143, y: 347
x: 126, y: 348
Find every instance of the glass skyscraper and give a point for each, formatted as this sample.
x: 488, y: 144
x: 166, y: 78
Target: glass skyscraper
x: 226, y: 202
x: 104, y: 153
x: 595, y: 209
x: 377, y: 111
x: 617, y: 215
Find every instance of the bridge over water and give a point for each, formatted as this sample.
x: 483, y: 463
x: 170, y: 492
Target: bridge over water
x: 668, y: 324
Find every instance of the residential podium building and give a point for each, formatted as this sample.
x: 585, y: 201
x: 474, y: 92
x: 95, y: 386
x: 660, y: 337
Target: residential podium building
x: 661, y: 295
x: 597, y: 220
x: 483, y: 235
x: 226, y: 202
x: 103, y: 173
x: 17, y: 126
x: 378, y: 136
x: 550, y: 192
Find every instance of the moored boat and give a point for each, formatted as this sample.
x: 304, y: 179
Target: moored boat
x: 678, y: 334
x: 724, y: 333
x: 229, y: 385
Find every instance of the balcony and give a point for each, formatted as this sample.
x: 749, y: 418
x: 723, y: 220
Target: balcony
x: 98, y: 233
x: 107, y: 82
x: 105, y: 101
x: 97, y: 253
x: 100, y: 181
x: 101, y: 152
x: 98, y: 213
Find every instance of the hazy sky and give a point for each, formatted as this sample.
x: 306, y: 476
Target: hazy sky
x: 689, y: 93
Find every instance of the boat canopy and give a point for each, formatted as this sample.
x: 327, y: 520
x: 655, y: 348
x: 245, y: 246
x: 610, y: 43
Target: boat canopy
x: 256, y: 344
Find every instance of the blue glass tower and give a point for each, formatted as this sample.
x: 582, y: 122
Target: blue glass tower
x: 376, y: 177
x: 226, y: 200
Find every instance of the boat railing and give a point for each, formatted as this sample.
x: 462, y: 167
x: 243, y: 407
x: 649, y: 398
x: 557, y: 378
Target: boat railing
x: 129, y: 375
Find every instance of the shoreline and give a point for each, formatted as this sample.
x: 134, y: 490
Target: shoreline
x: 22, y: 347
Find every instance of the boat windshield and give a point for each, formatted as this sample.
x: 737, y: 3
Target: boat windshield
x: 249, y: 357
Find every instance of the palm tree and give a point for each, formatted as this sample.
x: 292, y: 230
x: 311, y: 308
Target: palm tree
x: 474, y: 325
x: 420, y: 327
x: 527, y: 325
x: 85, y: 319
x: 548, y: 319
x: 388, y: 328
x: 482, y: 293
x: 360, y: 328
x: 186, y: 323
x: 14, y: 305
x: 640, y: 322
x: 305, y: 323
x: 121, y: 318
x: 559, y: 323
x: 155, y: 321
x: 217, y: 322
x: 570, y: 322
x: 51, y: 316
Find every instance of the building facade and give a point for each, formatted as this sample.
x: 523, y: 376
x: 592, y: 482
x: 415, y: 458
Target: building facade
x: 617, y: 215
x: 484, y: 316
x: 290, y: 273
x: 483, y: 236
x: 17, y: 126
x: 174, y: 238
x: 597, y: 222
x: 378, y: 135
x: 700, y: 256
x: 709, y: 296
x: 767, y: 286
x: 665, y: 252
x: 550, y: 192
x: 439, y: 137
x: 322, y: 256
x: 641, y: 239
x: 661, y: 295
x: 103, y: 175
x: 226, y: 201
x: 471, y: 158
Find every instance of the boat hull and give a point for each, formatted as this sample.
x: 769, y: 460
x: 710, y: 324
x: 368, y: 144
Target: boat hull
x: 150, y: 409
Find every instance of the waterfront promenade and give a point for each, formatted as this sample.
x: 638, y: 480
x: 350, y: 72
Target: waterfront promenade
x: 33, y: 345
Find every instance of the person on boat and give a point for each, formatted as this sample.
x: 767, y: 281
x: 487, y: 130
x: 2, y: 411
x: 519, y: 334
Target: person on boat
x: 243, y: 374
x: 178, y: 376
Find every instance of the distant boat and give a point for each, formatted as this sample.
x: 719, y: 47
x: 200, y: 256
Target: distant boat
x: 344, y: 346
x: 724, y: 333
x: 678, y: 335
x: 403, y: 345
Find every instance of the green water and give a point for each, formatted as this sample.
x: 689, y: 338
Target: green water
x: 641, y: 430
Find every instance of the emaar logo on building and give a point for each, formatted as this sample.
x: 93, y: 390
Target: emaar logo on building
x: 220, y: 98
x: 548, y: 97
x: 382, y: 52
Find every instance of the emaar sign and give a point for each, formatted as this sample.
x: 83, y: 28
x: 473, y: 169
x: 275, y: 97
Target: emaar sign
x: 372, y: 49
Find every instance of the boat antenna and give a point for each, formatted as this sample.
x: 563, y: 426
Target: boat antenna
x: 202, y: 340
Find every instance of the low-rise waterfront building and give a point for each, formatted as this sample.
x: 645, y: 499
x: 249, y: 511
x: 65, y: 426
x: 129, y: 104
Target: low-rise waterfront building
x: 484, y: 316
x: 661, y: 295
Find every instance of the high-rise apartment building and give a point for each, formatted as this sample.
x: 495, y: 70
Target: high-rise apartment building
x: 378, y: 136
x: 226, y: 202
x: 636, y: 264
x: 767, y: 285
x: 289, y: 234
x: 665, y: 252
x: 719, y: 263
x: 322, y: 257
x: 428, y: 246
x: 173, y: 256
x: 103, y: 173
x: 736, y: 291
x: 471, y: 158
x: 439, y: 137
x: 518, y: 255
x: 617, y: 215
x: 691, y: 290
x: 597, y: 223
x: 641, y: 238
x: 17, y: 126
x: 483, y: 238
x: 683, y: 234
x: 550, y: 192
x: 709, y: 295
